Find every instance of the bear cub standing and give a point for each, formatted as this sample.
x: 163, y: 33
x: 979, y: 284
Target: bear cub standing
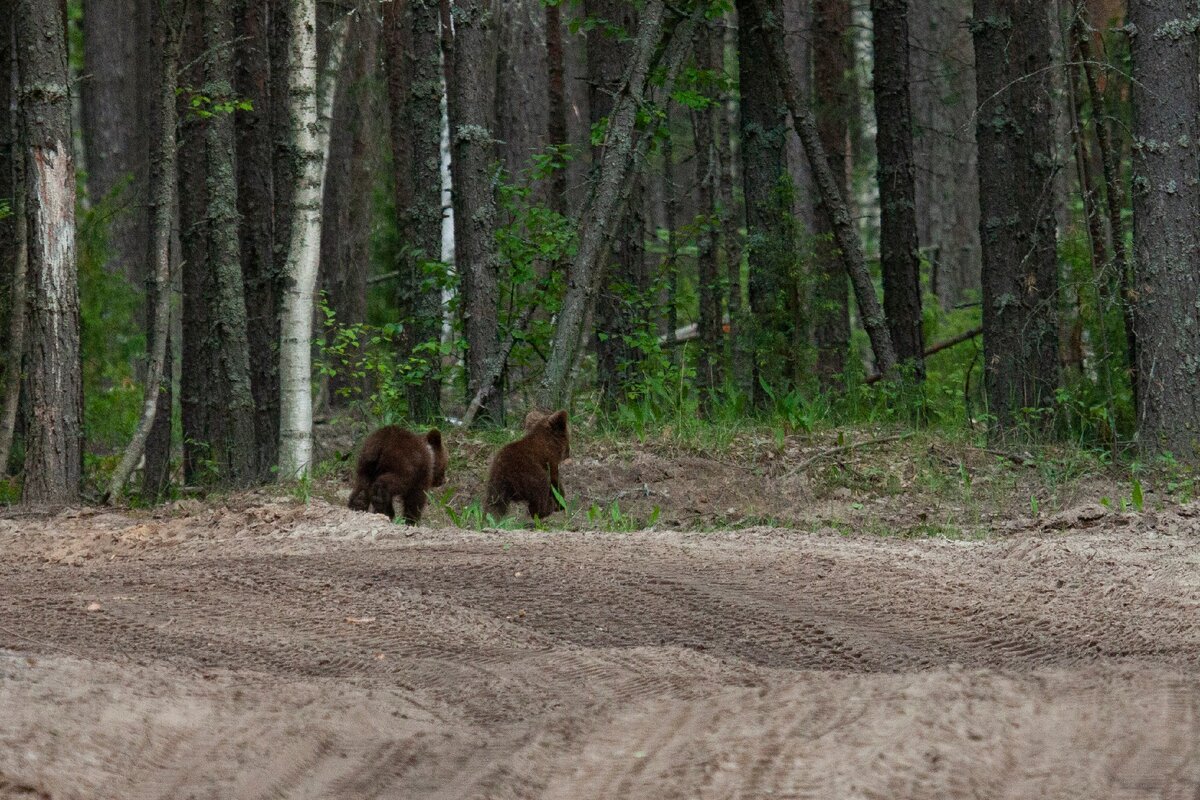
x: 526, y: 471
x: 398, y: 463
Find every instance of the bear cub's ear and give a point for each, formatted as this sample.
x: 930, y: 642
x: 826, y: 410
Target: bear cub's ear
x: 434, y: 437
x: 558, y: 422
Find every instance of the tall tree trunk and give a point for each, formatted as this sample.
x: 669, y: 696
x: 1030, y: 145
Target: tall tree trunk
x: 14, y: 252
x: 1166, y: 205
x: 415, y: 87
x: 845, y: 234
x: 733, y: 215
x: 831, y: 65
x: 227, y: 397
x: 768, y: 208
x: 899, y: 258
x: 709, y: 48
x: 609, y: 50
x: 557, y: 131
x: 522, y: 72
x: 197, y: 278
x: 472, y: 163
x: 311, y: 98
x: 115, y: 127
x: 345, y: 238
x: 257, y: 131
x: 621, y: 153
x: 944, y: 150
x: 162, y: 205
x: 54, y: 455
x: 1016, y: 191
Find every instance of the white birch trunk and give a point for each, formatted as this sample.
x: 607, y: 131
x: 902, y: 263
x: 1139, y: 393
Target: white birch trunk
x: 311, y: 106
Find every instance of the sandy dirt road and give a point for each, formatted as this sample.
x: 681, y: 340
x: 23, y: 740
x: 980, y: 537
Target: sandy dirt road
x: 314, y: 653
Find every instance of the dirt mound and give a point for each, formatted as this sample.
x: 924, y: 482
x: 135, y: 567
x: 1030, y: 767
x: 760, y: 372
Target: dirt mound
x: 267, y: 648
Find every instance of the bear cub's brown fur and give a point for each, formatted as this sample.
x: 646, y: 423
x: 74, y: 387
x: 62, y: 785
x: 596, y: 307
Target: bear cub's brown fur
x: 526, y: 471
x: 395, y: 463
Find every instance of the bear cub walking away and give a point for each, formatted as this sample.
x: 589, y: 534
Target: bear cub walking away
x: 526, y: 471
x: 398, y: 463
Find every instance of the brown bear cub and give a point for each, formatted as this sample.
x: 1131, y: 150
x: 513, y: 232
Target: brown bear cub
x: 398, y: 463
x: 526, y: 471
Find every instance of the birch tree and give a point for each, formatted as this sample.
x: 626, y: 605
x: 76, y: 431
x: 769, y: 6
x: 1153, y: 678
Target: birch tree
x: 310, y: 101
x: 54, y: 456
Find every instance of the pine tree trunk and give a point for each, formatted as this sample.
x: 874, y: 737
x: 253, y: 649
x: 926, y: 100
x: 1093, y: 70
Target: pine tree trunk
x: 1017, y: 225
x: 522, y: 94
x: 732, y: 219
x: 472, y: 102
x: 770, y: 245
x: 899, y: 257
x: 557, y: 132
x: 54, y: 456
x: 14, y: 252
x: 162, y: 206
x: 197, y: 278
x: 116, y: 130
x: 709, y: 373
x: 831, y: 65
x: 258, y: 187
x: 415, y: 87
x: 1166, y: 205
x: 228, y: 399
x: 942, y: 88
x: 345, y: 234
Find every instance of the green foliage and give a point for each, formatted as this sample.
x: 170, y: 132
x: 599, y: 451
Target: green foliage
x: 5, y: 209
x: 368, y: 358
x: 203, y: 106
x: 111, y: 340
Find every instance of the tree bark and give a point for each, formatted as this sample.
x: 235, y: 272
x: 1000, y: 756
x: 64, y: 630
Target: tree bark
x: 609, y: 50
x: 845, y: 234
x: 311, y: 99
x: 14, y: 252
x: 833, y: 103
x: 766, y: 335
x: 899, y: 256
x: 54, y: 455
x: 257, y: 132
x: 345, y: 238
x: 557, y: 131
x: 732, y: 218
x: 609, y: 193
x: 522, y: 73
x: 1017, y: 225
x: 944, y: 150
x: 229, y: 402
x: 116, y: 128
x: 472, y: 101
x: 415, y: 87
x: 709, y: 373
x: 162, y: 205
x: 1166, y: 205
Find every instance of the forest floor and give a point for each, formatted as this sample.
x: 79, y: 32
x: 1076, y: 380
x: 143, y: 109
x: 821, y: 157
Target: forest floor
x: 850, y: 627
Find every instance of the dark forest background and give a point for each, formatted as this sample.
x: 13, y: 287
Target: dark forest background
x: 975, y: 216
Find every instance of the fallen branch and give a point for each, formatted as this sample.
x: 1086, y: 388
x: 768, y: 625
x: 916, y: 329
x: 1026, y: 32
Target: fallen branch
x: 937, y: 348
x: 833, y: 451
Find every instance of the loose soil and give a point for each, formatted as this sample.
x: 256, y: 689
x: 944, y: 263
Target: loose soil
x: 257, y: 647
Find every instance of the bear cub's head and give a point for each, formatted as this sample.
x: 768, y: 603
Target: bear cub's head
x: 441, y: 458
x: 551, y: 431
